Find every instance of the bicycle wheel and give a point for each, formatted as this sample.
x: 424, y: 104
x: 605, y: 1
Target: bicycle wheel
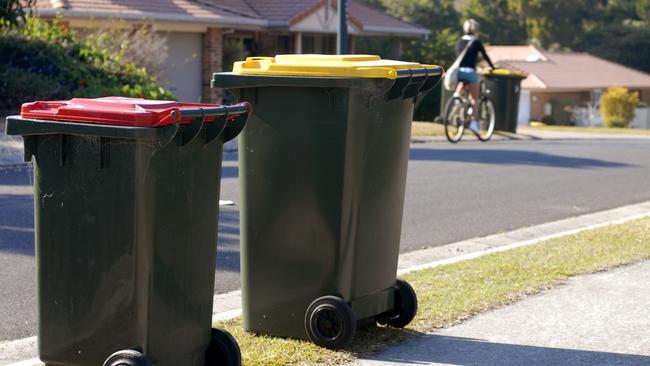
x: 485, y: 119
x: 454, y: 119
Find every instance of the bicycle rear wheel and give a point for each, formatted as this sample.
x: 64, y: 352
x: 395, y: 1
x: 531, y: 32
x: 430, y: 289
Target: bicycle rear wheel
x: 454, y: 119
x: 486, y: 119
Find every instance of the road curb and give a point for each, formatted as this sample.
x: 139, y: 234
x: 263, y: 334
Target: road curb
x: 228, y: 306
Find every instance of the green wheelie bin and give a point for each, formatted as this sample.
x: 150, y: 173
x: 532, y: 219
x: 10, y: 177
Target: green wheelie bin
x: 503, y: 87
x: 323, y: 164
x: 126, y: 198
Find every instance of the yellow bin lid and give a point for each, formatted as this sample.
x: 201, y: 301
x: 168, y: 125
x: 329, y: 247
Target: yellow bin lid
x: 504, y: 72
x: 352, y: 66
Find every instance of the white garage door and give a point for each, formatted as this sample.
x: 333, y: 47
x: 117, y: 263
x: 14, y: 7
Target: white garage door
x: 181, y: 72
x: 523, y: 116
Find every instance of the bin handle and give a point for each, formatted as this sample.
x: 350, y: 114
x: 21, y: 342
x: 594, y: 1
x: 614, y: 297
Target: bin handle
x: 420, y: 71
x: 235, y: 125
x: 215, y: 111
x: 230, y: 120
x: 214, y: 129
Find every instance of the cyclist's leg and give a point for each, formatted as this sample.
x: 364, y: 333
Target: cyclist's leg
x: 474, y: 92
x: 460, y: 87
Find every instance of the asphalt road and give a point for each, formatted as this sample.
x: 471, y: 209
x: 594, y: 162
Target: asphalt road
x: 454, y: 192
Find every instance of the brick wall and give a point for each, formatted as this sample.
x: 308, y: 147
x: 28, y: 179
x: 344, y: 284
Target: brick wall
x: 212, y: 62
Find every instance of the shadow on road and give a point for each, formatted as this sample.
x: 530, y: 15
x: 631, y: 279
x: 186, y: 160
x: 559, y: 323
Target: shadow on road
x: 510, y: 157
x: 467, y: 351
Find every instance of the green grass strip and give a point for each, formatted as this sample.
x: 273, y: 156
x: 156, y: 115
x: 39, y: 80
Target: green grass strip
x: 602, y: 130
x: 452, y: 293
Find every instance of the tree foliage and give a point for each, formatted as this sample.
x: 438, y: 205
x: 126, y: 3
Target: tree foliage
x: 13, y: 11
x: 444, y: 21
x: 617, y: 30
x: 42, y: 60
x: 501, y: 21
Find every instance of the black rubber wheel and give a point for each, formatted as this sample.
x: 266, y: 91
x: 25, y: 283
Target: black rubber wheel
x: 127, y: 357
x: 330, y: 322
x: 454, y: 119
x: 405, y: 308
x: 223, y: 350
x: 486, y: 119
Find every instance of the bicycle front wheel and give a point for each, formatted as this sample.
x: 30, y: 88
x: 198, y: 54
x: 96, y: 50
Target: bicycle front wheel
x: 486, y: 119
x: 454, y: 119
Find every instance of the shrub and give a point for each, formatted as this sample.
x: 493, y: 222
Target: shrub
x: 617, y: 106
x: 548, y: 119
x: 41, y: 60
x: 140, y: 45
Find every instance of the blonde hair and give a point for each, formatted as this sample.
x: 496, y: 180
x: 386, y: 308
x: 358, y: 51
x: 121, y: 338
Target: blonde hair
x: 470, y: 26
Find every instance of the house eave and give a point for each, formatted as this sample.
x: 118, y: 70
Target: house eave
x: 234, y: 22
x: 398, y: 31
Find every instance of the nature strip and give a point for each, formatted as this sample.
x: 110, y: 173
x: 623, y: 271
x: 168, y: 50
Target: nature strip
x: 453, y: 293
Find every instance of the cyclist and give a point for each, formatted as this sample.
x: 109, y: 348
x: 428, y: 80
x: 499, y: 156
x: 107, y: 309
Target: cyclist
x: 467, y: 77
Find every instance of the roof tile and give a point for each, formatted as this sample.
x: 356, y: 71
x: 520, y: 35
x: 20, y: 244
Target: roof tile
x: 567, y: 70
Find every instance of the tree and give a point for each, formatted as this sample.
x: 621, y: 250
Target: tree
x: 501, y: 22
x: 551, y: 21
x: 617, y: 106
x: 625, y: 44
x: 444, y: 21
x: 12, y: 11
x: 431, y: 14
x: 643, y: 10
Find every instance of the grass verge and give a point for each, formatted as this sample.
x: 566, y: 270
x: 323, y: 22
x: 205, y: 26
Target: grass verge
x: 424, y: 129
x: 450, y: 294
x: 605, y: 130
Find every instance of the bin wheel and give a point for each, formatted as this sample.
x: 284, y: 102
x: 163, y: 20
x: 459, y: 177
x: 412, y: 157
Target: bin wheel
x: 330, y: 322
x: 127, y: 357
x: 405, y: 308
x: 223, y: 350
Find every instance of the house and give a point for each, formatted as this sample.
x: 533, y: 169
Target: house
x: 565, y: 85
x: 198, y: 30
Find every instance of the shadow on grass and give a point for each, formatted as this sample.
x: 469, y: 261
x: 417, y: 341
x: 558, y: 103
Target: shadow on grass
x: 370, y: 339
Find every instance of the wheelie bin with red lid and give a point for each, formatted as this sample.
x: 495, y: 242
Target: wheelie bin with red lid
x: 126, y: 198
x: 322, y: 172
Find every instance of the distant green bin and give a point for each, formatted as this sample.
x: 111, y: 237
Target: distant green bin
x: 126, y: 198
x: 504, y: 87
x: 323, y: 164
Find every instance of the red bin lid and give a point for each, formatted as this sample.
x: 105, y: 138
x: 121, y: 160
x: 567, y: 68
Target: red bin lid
x: 119, y: 111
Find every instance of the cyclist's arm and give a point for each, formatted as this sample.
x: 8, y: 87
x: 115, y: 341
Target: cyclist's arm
x: 485, y: 55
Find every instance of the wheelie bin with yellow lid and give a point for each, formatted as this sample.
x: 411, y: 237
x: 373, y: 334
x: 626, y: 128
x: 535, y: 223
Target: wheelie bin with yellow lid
x: 126, y: 198
x: 323, y: 164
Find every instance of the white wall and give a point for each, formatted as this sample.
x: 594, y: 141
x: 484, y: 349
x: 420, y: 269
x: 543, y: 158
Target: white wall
x: 641, y: 118
x: 181, y: 72
x: 523, y: 113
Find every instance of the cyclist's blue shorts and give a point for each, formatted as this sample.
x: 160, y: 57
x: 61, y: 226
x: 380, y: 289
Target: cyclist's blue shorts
x: 467, y: 75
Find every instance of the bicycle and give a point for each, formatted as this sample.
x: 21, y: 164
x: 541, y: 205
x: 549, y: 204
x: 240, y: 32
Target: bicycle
x: 458, y: 114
